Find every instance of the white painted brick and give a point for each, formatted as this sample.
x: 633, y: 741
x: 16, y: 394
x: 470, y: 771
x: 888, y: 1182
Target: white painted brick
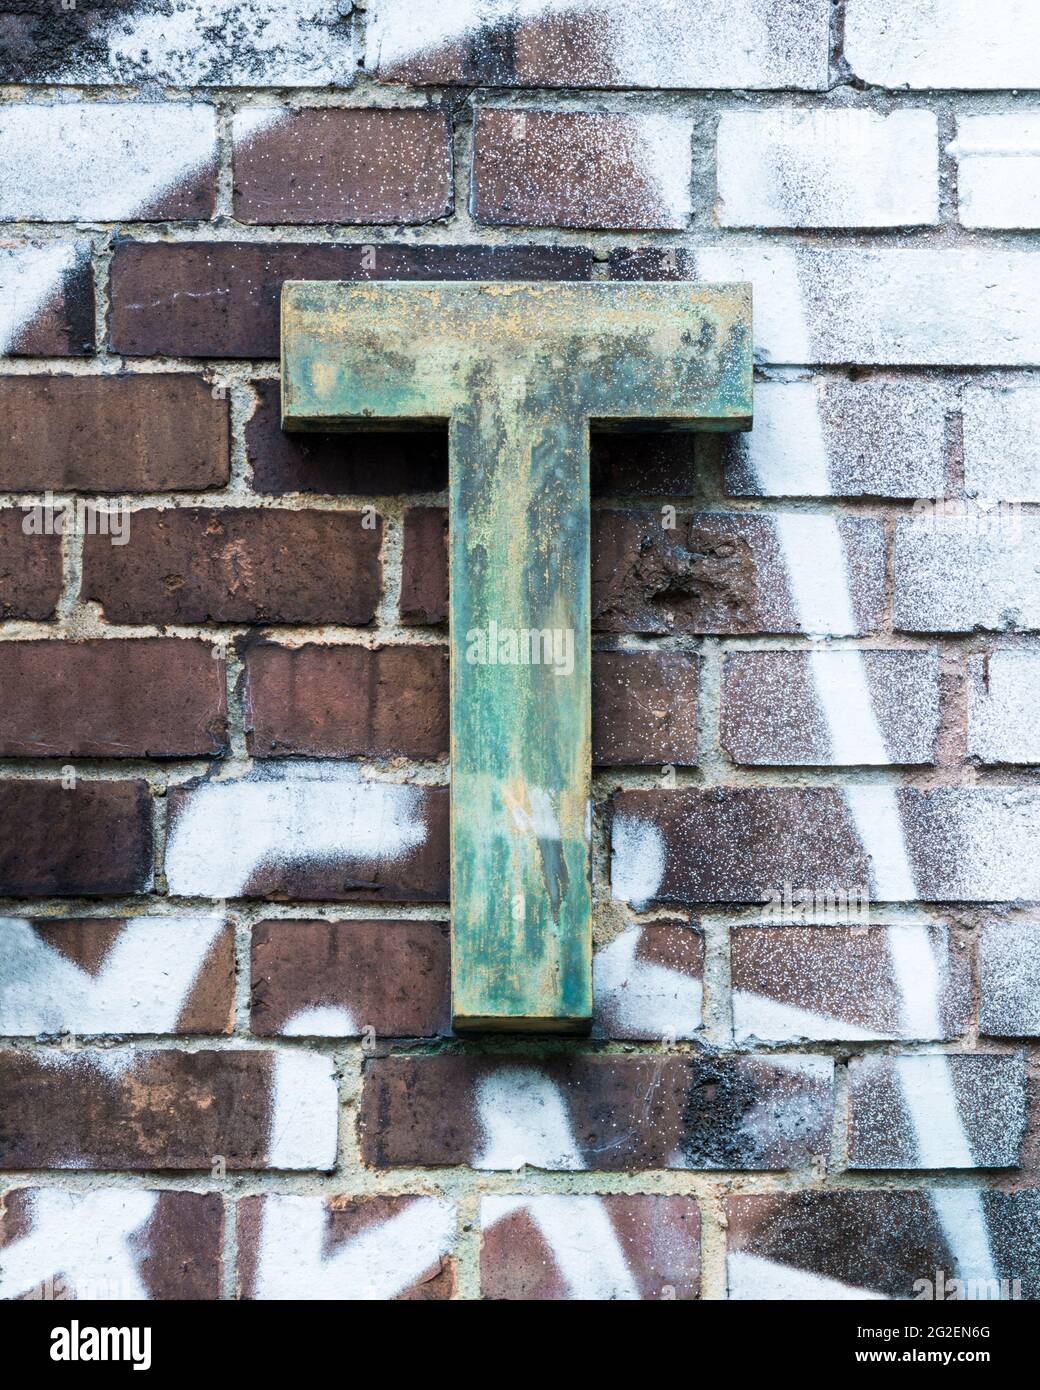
x: 827, y: 168
x: 837, y: 438
x: 944, y: 43
x: 1002, y: 443
x: 90, y: 161
x: 957, y: 575
x: 608, y: 43
x: 1004, y: 707
x: 998, y: 170
x: 933, y: 306
x: 1009, y: 983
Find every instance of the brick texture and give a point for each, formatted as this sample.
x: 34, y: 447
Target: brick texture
x: 30, y: 568
x: 114, y: 434
x: 48, y: 299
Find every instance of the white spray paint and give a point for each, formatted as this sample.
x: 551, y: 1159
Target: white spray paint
x: 94, y: 161
x: 752, y: 1277
x: 304, y: 1112
x: 581, y: 1237
x: 30, y: 276
x: 379, y: 1263
x: 141, y: 987
x: 85, y: 1238
x: 306, y: 811
x: 638, y: 860
x: 321, y: 1021
x: 633, y: 995
x: 756, y: 1016
x: 523, y: 1118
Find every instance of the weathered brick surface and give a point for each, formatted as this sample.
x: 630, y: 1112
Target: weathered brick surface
x: 644, y: 708
x: 152, y: 1109
x: 97, y: 699
x: 580, y: 169
x: 46, y: 299
x: 648, y: 983
x: 30, y: 568
x: 110, y: 1244
x: 956, y: 574
x: 998, y: 171
x: 338, y: 979
x: 831, y: 437
x: 840, y: 1245
x: 378, y: 165
x: 553, y: 1247
x: 335, y: 464
x: 944, y: 1111
x: 424, y: 567
x: 828, y: 168
x: 582, y: 1112
x: 353, y: 1248
x: 114, y: 434
x: 236, y: 565
x: 906, y: 44
x: 809, y: 707
x: 829, y: 983
x: 220, y: 299
x: 87, y: 841
x: 103, y: 975
x: 1009, y: 979
x: 1001, y: 446
x: 1002, y: 707
x: 327, y: 700
x: 751, y: 43
x: 99, y: 161
x: 737, y: 844
x: 309, y: 831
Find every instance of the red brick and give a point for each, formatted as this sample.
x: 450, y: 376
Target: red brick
x: 554, y: 1246
x: 336, y: 979
x: 347, y: 700
x: 159, y: 1245
x: 62, y: 323
x: 235, y: 565
x: 109, y: 975
x: 111, y: 699
x: 644, y: 708
x: 149, y: 433
x: 30, y: 568
x: 376, y: 462
x: 221, y: 299
x: 347, y: 1248
x: 380, y: 165
x: 424, y: 567
x: 88, y: 841
x: 162, y: 1110
x: 580, y: 169
x: 825, y: 1245
x: 648, y: 983
x: 582, y: 1112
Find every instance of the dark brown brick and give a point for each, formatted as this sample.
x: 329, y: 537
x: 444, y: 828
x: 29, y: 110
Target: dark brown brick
x: 346, y: 700
x: 220, y: 299
x: 30, y: 568
x: 380, y: 165
x: 139, y: 1110
x: 644, y: 708
x: 424, y: 567
x: 582, y: 1112
x: 87, y: 841
x: 111, y: 699
x: 335, y: 979
x: 298, y: 1248
x: 539, y: 1248
x: 175, y: 1253
x: 648, y: 464
x: 235, y: 565
x: 376, y: 462
x: 578, y: 169
x: 62, y: 325
x: 148, y: 433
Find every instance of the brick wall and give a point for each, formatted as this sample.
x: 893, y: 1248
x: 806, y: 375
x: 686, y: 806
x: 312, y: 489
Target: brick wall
x: 226, y: 1068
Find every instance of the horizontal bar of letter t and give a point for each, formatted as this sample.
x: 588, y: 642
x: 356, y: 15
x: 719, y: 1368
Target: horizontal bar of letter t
x: 519, y: 373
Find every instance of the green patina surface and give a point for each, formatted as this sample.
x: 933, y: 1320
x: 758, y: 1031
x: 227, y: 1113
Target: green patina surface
x: 518, y: 371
